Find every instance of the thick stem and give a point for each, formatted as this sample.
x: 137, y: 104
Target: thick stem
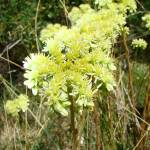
x: 97, y: 128
x: 74, y: 133
x: 110, y: 117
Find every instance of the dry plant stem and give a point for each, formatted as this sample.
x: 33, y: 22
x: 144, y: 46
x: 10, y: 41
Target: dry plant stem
x: 110, y: 115
x: 140, y: 4
x: 26, y: 126
x: 8, y: 86
x: 19, y: 138
x: 10, y: 46
x: 97, y: 128
x: 14, y: 139
x: 89, y: 132
x: 42, y: 128
x: 87, y: 128
x: 125, y: 108
x: 12, y: 62
x: 39, y: 112
x: 98, y: 145
x: 36, y: 119
x: 9, y: 68
x: 36, y: 16
x: 130, y: 87
x: 145, y: 112
x: 74, y: 134
x: 65, y: 11
x: 130, y: 81
x: 6, y: 120
x: 137, y: 146
x: 81, y: 125
x: 122, y: 115
x: 147, y: 102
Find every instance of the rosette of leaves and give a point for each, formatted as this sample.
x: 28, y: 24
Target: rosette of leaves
x: 75, y: 62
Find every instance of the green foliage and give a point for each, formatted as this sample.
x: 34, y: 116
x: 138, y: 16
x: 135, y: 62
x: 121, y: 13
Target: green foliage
x: 21, y: 103
x: 139, y: 80
x: 16, y: 21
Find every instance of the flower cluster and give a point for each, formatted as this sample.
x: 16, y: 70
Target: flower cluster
x: 102, y: 3
x: 122, y: 5
x: 38, y: 67
x: 139, y: 43
x: 21, y: 103
x: 76, y: 63
x: 146, y: 19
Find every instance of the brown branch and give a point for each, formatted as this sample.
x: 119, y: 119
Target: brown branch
x: 130, y: 81
x: 131, y: 89
x: 36, y: 17
x: 12, y: 62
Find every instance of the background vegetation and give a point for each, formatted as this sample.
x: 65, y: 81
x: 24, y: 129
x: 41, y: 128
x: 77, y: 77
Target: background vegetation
x: 113, y: 124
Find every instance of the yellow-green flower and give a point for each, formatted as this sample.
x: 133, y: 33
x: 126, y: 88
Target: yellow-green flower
x: 146, y: 19
x: 21, y: 103
x: 77, y: 63
x: 139, y: 43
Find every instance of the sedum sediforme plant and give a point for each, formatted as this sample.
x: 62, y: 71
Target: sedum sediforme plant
x: 75, y: 61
